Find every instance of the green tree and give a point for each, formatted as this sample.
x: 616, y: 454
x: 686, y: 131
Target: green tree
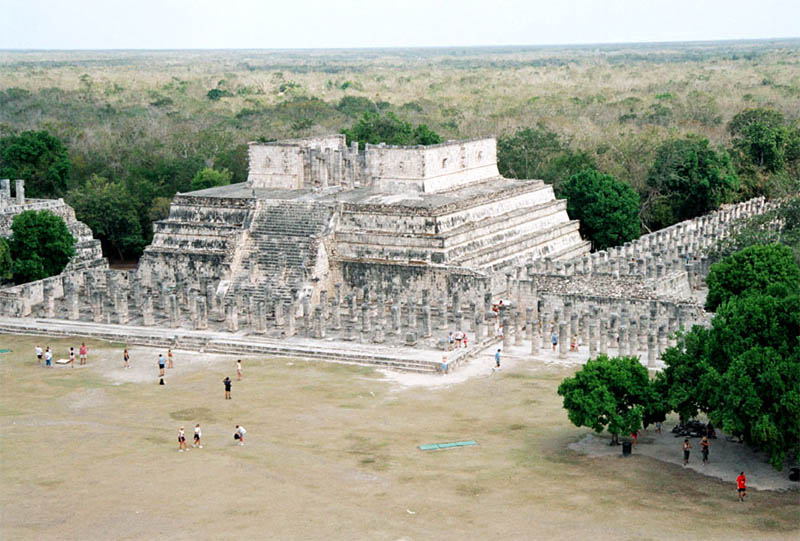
x: 754, y: 269
x: 375, y: 128
x: 562, y: 166
x: 762, y: 136
x: 687, y: 179
x: 110, y: 211
x: 528, y: 152
x: 39, y: 158
x: 682, y: 382
x: 210, y: 178
x: 607, y: 208
x: 607, y: 393
x: 6, y: 262
x: 41, y: 245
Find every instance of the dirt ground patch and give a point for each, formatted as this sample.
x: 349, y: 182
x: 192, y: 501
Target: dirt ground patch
x: 331, y: 453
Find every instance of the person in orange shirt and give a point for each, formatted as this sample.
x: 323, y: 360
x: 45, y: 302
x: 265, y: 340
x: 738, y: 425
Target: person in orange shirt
x: 741, y: 486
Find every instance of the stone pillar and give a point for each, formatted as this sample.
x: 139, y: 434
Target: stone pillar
x: 174, y: 311
x: 411, y: 305
x: 336, y: 313
x: 231, y: 317
x: 563, y: 340
x: 545, y: 318
x: 123, y: 315
x: 584, y: 325
x: 651, y: 350
x: 478, y: 327
x: 623, y: 341
x: 49, y: 300
x: 427, y: 331
x: 365, y: 320
x: 5, y: 192
x: 592, y: 339
x: 603, y: 336
x: 348, y: 329
x: 280, y: 312
x: 319, y: 323
x: 306, y: 317
x: 662, y: 339
x: 573, y: 328
x: 148, y: 318
x: 395, y: 313
x: 201, y: 321
x: 534, y: 335
x: 529, y: 324
x: 73, y: 303
x: 97, y: 306
x: 261, y: 317
x: 291, y: 319
x: 506, y: 332
x: 20, y: 191
x: 517, y: 328
x: 443, y: 313
x: 378, y: 336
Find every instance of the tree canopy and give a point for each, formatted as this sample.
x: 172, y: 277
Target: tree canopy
x: 607, y: 209
x: 209, y: 178
x: 40, y: 159
x: 5, y: 261
x: 688, y: 178
x: 753, y: 269
x: 608, y: 393
x: 41, y: 245
x: 109, y: 210
x: 375, y: 128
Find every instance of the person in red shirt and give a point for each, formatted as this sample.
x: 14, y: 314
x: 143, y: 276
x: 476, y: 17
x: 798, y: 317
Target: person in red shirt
x: 741, y: 486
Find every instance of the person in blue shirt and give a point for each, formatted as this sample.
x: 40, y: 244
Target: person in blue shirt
x: 497, y: 359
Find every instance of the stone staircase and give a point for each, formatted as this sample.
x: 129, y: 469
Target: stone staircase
x: 282, y: 249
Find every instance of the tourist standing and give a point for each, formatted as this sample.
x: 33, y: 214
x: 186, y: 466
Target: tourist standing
x: 459, y: 336
x: 497, y: 359
x: 161, y: 365
x: 227, y: 382
x: 450, y: 341
x: 197, y: 436
x: 72, y: 357
x: 465, y: 340
x: 84, y: 351
x: 39, y: 354
x: 239, y: 434
x: 554, y: 340
x: 181, y: 441
x: 169, y: 358
x: 658, y: 427
x: 126, y: 358
x: 48, y: 357
x: 686, y: 450
x: 704, y: 449
x: 239, y: 369
x: 741, y: 486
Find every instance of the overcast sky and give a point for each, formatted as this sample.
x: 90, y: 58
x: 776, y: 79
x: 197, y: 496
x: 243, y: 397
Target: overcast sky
x: 215, y: 24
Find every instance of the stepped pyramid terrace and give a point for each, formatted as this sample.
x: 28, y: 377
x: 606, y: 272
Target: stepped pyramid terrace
x: 374, y: 255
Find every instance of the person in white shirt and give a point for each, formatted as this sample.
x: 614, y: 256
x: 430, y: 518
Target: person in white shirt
x: 39, y: 353
x: 239, y: 435
x: 48, y: 357
x: 181, y: 441
x: 197, y: 436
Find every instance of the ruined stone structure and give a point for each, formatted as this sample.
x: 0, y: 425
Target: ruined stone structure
x: 389, y: 246
x: 88, y: 253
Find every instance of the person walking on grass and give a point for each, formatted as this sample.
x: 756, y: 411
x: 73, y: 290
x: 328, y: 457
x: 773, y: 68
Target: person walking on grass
x: 72, y: 357
x: 48, y: 357
x: 169, y: 358
x: 227, y: 382
x: 161, y: 365
x: 741, y: 486
x: 239, y: 434
x: 84, y: 351
x: 686, y: 450
x: 197, y: 436
x: 181, y: 441
x: 239, y: 369
x: 704, y: 449
x: 39, y: 354
x: 126, y: 358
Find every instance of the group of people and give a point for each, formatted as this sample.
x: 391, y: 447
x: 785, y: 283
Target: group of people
x: 456, y: 340
x: 238, y: 435
x: 47, y: 355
